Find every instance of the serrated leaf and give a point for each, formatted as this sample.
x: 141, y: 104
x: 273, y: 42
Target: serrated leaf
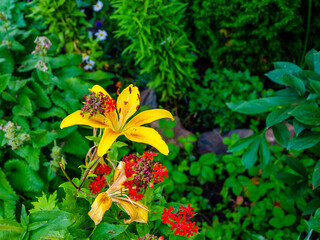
x: 4, y: 80
x: 108, y: 231
x: 41, y: 99
x: 56, y: 220
x: 8, y: 198
x: 42, y: 137
x: 195, y: 168
x: 10, y: 229
x: 22, y: 177
x: 24, y: 108
x: 31, y: 155
x: 52, y: 112
x: 98, y: 76
x: 207, y: 173
x: 207, y: 159
x: 65, y: 100
x: 45, y: 203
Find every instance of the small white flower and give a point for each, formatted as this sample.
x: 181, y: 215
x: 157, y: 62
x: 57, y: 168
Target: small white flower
x: 89, y: 65
x: 98, y: 6
x: 101, y: 34
x: 89, y: 34
x: 85, y: 57
x: 162, y: 42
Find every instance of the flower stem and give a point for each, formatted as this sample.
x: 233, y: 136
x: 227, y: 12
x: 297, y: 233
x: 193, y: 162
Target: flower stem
x: 87, y: 171
x: 69, y: 179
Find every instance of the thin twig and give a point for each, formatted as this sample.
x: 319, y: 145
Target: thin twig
x: 84, y: 177
x: 69, y: 179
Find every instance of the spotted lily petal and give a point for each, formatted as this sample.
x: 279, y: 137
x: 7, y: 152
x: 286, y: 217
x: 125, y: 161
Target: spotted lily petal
x: 108, y: 138
x: 127, y: 103
x: 148, y: 117
x: 101, y: 204
x: 97, y: 121
x: 136, y: 210
x: 97, y: 89
x: 149, y: 136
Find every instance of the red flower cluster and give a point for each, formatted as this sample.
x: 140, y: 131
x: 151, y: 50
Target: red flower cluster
x: 143, y: 172
x: 99, y: 181
x: 180, y: 221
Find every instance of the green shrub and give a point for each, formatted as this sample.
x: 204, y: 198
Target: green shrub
x: 251, y: 34
x: 208, y: 102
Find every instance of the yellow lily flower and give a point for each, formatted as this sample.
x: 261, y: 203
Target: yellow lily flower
x: 115, y: 122
x: 136, y: 210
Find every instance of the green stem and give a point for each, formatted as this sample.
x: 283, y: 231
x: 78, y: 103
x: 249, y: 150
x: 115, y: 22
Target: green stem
x: 307, y: 34
x: 84, y: 177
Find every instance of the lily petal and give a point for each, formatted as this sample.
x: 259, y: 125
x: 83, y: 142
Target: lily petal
x: 97, y: 89
x: 97, y: 121
x: 149, y: 136
x: 137, y: 211
x: 101, y: 204
x: 108, y: 138
x: 148, y: 116
x: 127, y: 103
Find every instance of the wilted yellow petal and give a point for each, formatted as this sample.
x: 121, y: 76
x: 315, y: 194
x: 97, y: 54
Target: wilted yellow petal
x: 119, y: 179
x: 148, y: 117
x: 97, y: 121
x: 127, y: 103
x: 137, y: 212
x: 97, y: 89
x: 108, y: 138
x: 149, y: 136
x: 101, y: 204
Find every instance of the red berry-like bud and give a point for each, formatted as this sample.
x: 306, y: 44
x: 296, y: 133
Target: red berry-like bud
x: 161, y: 238
x: 151, y: 185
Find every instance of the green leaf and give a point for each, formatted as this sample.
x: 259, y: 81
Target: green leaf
x: 307, y: 114
x: 315, y: 86
x: 250, y: 157
x: 298, y: 127
x: 43, y: 137
x: 65, y: 100
x: 41, y: 99
x: 312, y: 206
x: 295, y: 83
x: 98, y: 76
x: 76, y: 144
x: 4, y: 80
x: 261, y: 105
x: 69, y: 59
x: 207, y: 173
x: 316, y: 176
x: 195, y: 168
x: 24, y: 219
x: 45, y: 204
x: 289, y: 220
x: 142, y: 229
x: 22, y: 177
x: 31, y: 155
x: 287, y: 65
x: 24, y: 108
x: 8, y: 198
x: 281, y: 134
x: 107, y: 231
x: 6, y: 66
x: 278, y: 116
x: 304, y: 140
x: 243, y: 143
x: 207, y: 159
x: 264, y: 150
x: 288, y: 178
x: 179, y: 177
x: 52, y: 112
x: 10, y: 229
x: 56, y: 220
x: 314, y: 223
x: 297, y: 166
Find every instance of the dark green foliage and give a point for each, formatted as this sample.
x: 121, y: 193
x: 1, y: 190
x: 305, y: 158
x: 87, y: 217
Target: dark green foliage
x: 241, y: 34
x: 208, y: 101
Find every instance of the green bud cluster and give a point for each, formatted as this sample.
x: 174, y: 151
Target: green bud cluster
x: 14, y: 135
x: 56, y: 156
